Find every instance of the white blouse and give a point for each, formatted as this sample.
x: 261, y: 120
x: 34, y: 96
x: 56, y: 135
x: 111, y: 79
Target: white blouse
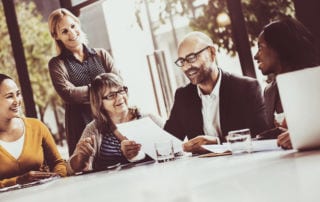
x: 14, y: 148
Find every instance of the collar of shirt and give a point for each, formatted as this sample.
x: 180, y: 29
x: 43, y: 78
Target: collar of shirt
x: 215, y: 91
x: 87, y: 51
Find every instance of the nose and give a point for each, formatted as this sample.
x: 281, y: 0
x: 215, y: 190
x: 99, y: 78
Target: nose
x: 72, y: 32
x: 16, y: 100
x: 186, y: 66
x: 119, y: 96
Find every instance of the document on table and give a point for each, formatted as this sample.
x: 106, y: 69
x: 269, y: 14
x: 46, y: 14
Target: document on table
x: 146, y: 132
x: 216, y: 148
x: 257, y: 146
x: 265, y: 145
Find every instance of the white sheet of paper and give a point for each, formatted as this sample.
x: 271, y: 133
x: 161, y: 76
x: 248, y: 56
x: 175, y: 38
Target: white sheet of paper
x: 257, y: 146
x: 216, y: 148
x: 265, y: 145
x: 146, y: 132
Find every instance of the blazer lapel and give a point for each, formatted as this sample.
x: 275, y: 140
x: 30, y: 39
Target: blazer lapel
x: 223, y: 104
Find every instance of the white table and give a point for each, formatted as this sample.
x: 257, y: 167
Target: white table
x: 262, y: 176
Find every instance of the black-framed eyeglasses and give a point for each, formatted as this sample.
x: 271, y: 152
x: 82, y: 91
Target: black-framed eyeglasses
x: 190, y: 58
x: 113, y: 95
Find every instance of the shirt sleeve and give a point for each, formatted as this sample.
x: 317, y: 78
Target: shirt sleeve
x: 258, y: 113
x: 51, y: 153
x: 107, y: 61
x: 61, y: 82
x: 8, y: 182
x: 173, y: 125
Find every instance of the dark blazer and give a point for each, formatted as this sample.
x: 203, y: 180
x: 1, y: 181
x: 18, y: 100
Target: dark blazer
x: 241, y: 106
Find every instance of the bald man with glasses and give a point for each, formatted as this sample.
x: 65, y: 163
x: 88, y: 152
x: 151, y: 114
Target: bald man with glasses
x: 214, y: 102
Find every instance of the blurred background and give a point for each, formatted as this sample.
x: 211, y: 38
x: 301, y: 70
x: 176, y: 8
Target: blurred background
x: 142, y: 36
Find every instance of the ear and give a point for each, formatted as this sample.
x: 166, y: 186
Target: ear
x: 212, y: 53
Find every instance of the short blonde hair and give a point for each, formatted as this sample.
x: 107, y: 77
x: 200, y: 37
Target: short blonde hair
x: 53, y: 22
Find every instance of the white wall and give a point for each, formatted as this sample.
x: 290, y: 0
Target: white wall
x: 129, y: 44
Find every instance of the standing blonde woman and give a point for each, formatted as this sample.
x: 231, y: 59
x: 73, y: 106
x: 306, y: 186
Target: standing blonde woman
x: 26, y: 145
x: 73, y: 69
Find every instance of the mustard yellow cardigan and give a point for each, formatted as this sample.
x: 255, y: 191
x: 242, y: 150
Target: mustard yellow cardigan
x: 38, y: 143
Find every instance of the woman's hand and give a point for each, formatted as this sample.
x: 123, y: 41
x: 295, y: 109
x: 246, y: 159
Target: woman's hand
x: 284, y: 140
x: 130, y: 148
x: 32, y: 176
x: 84, y: 150
x: 85, y: 147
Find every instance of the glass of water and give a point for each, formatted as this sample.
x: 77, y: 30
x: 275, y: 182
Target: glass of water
x: 239, y: 141
x: 164, y: 151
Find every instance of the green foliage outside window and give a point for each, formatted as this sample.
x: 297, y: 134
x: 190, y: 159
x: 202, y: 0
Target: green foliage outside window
x: 38, y: 49
x: 257, y: 13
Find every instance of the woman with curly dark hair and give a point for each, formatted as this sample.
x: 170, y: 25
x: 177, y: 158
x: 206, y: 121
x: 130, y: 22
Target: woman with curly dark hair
x: 284, y: 45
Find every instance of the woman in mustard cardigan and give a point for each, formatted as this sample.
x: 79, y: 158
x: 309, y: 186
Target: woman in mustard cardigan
x: 26, y: 145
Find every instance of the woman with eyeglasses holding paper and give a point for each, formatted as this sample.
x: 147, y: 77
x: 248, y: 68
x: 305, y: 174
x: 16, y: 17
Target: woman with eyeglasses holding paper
x: 26, y: 145
x: 73, y: 69
x: 101, y: 144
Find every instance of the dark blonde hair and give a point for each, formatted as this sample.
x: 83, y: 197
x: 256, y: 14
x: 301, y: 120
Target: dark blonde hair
x: 98, y: 88
x: 53, y: 22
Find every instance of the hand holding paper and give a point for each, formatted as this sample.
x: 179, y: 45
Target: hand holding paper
x: 145, y: 132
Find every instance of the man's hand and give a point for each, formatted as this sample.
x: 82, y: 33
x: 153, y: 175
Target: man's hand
x: 284, y: 140
x: 130, y: 148
x: 32, y: 176
x: 194, y: 145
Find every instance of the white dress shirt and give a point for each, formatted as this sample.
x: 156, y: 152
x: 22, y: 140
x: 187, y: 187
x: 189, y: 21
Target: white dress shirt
x: 210, y: 110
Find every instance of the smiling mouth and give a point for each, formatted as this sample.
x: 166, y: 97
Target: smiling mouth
x: 192, y: 73
x: 75, y: 39
x: 120, y: 104
x: 16, y: 109
x: 259, y: 63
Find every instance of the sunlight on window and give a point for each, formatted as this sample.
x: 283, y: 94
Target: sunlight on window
x: 130, y: 46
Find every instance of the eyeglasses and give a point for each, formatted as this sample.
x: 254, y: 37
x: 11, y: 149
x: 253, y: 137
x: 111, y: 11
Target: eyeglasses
x: 192, y: 57
x: 113, y: 95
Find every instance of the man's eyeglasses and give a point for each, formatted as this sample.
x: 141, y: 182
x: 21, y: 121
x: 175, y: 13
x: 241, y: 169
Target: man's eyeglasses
x: 192, y: 57
x: 113, y: 95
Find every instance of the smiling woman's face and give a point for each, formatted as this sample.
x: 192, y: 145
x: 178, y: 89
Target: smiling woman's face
x: 68, y: 32
x: 267, y: 57
x: 10, y: 99
x: 115, y: 101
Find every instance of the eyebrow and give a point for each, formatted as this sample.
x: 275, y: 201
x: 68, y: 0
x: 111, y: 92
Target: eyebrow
x: 18, y: 91
x: 10, y: 93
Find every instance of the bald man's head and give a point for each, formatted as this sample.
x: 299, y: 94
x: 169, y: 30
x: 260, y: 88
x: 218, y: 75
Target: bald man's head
x: 196, y: 56
x: 196, y: 38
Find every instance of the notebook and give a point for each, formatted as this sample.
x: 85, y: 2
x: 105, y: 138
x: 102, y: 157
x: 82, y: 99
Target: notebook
x: 300, y: 96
